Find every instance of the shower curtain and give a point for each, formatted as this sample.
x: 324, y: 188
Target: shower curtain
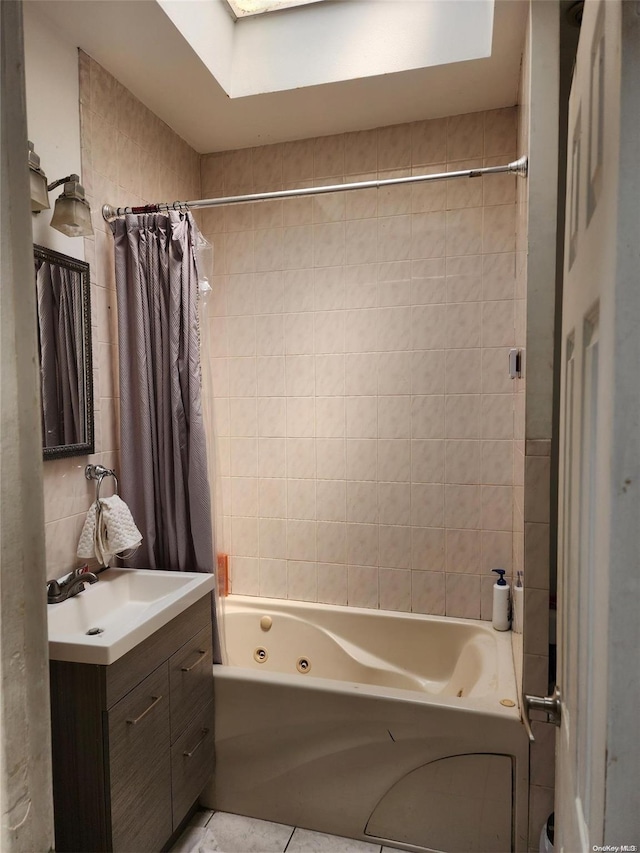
x: 163, y: 458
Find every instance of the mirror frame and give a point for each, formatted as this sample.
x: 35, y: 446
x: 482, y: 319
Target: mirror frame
x: 87, y: 447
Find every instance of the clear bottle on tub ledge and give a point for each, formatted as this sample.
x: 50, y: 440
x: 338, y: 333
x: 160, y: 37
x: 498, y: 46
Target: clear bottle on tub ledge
x: 518, y: 604
x: 500, y: 616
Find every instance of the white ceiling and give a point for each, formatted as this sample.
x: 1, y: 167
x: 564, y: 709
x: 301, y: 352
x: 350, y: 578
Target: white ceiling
x: 137, y: 42
x: 332, y: 41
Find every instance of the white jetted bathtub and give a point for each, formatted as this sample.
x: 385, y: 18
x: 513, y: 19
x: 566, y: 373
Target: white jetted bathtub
x: 368, y: 724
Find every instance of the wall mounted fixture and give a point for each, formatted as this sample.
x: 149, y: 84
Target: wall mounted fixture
x: 515, y: 363
x: 38, y: 183
x: 72, y: 214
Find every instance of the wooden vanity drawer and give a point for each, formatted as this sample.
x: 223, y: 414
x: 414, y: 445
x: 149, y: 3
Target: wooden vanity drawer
x: 192, y: 758
x: 191, y: 681
x: 123, y: 675
x: 139, y: 766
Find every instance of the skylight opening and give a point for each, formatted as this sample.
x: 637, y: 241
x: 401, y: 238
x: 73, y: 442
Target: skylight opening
x: 247, y: 8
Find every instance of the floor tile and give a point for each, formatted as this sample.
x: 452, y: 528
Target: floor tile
x: 229, y: 833
x: 305, y: 841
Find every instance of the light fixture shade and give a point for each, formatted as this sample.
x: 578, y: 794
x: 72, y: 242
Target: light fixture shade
x: 39, y: 194
x: 72, y: 216
x: 38, y: 182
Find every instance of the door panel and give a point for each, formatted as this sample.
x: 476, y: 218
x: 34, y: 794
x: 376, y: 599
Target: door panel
x: 586, y: 575
x: 598, y: 422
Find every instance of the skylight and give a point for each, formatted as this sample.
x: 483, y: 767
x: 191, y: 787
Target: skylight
x: 245, y: 8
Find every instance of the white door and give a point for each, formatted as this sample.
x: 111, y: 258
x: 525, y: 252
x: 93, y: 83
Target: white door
x: 599, y: 510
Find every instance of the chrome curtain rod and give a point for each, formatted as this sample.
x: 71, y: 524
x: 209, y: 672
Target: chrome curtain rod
x: 518, y: 167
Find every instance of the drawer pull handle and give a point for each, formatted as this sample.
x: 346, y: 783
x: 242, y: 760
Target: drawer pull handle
x: 156, y: 699
x: 204, y: 734
x: 201, y: 654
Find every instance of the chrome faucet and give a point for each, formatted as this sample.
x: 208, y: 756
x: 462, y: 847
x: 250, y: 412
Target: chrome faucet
x: 68, y: 586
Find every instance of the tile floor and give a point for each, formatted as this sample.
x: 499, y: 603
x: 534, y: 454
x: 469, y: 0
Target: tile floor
x: 219, y: 832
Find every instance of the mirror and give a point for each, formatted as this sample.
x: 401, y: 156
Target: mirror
x: 64, y: 345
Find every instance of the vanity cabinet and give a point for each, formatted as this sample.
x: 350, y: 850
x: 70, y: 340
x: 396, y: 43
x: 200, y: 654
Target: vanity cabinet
x: 133, y: 741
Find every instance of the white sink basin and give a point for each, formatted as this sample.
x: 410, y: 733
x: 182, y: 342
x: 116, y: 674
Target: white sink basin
x: 127, y: 605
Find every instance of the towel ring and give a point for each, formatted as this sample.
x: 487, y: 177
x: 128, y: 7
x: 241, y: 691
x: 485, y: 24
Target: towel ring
x: 101, y: 478
x: 98, y: 473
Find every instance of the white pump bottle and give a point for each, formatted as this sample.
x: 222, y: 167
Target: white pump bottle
x: 501, y: 601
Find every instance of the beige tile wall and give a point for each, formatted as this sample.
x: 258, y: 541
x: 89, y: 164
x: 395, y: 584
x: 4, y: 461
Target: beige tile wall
x: 535, y: 285
x: 128, y: 157
x: 536, y: 263
x: 358, y: 466
x: 364, y: 413
x: 522, y: 223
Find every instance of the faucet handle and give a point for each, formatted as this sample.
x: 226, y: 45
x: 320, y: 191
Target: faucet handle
x: 73, y: 575
x: 53, y: 589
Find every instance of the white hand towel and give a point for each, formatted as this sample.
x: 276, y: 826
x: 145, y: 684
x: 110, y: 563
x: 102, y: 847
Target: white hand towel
x: 108, y: 530
x: 86, y: 545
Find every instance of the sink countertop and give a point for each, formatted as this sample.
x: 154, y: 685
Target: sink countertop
x: 124, y: 608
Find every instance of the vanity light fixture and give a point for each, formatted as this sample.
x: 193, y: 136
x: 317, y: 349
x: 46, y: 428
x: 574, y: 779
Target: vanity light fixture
x: 72, y: 214
x: 38, y: 182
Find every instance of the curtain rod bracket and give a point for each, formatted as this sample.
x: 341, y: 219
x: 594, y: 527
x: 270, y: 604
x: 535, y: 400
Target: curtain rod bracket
x: 520, y: 167
x: 109, y: 213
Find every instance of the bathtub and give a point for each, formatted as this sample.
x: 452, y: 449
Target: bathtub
x: 385, y: 727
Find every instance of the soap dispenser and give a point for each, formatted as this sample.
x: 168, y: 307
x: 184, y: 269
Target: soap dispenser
x: 500, y: 602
